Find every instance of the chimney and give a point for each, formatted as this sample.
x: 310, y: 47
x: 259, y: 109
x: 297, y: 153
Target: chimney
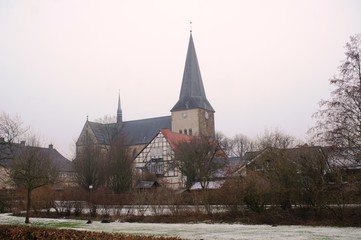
x: 51, y: 146
x: 22, y: 143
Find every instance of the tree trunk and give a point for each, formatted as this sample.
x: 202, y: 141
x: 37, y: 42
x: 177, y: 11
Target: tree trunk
x: 28, y: 205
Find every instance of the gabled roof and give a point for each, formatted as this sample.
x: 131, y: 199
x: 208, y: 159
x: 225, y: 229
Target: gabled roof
x: 296, y: 155
x: 192, y: 94
x: 135, y: 132
x: 63, y: 164
x: 174, y: 138
x: 103, y: 132
x: 142, y: 131
x: 341, y: 157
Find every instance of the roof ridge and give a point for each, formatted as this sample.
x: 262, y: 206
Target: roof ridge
x: 152, y: 118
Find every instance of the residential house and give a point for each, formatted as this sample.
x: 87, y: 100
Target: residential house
x: 65, y: 167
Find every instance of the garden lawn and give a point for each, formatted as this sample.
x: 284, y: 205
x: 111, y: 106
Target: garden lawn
x: 196, y: 230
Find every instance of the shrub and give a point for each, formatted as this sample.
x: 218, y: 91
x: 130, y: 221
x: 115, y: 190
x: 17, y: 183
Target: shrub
x: 29, y: 233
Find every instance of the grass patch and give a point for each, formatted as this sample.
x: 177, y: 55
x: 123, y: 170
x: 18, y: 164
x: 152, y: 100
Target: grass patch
x: 60, y: 225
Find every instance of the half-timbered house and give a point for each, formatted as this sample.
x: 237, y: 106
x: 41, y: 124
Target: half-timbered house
x: 157, y: 158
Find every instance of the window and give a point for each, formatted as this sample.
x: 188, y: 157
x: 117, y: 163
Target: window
x: 156, y: 166
x: 185, y: 131
x: 190, y: 131
x: 268, y: 164
x: 171, y: 166
x: 180, y: 131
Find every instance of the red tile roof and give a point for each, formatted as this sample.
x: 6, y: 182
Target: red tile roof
x: 175, y: 138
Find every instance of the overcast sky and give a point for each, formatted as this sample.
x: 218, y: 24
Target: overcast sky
x: 264, y: 64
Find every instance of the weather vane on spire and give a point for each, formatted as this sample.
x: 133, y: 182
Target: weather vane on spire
x: 190, y: 26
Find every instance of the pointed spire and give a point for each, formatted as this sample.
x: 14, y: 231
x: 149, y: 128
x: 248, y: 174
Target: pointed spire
x: 192, y: 93
x: 119, y: 111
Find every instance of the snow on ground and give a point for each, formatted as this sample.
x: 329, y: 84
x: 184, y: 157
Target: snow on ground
x: 199, y: 230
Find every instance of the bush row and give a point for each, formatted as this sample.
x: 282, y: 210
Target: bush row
x: 35, y: 233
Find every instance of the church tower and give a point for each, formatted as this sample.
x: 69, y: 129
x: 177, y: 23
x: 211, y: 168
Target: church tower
x: 119, y: 112
x: 193, y: 114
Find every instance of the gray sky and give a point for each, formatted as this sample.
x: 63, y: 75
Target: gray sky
x: 264, y: 64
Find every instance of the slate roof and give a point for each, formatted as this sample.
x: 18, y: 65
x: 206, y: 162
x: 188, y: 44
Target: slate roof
x: 143, y: 131
x: 64, y: 164
x: 136, y: 132
x: 61, y: 162
x: 235, y: 161
x: 103, y: 132
x: 192, y: 94
x: 297, y: 154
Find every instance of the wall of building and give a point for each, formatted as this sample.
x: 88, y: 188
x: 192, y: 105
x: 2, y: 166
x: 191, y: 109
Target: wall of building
x: 193, y: 122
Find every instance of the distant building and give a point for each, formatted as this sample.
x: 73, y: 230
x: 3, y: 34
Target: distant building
x: 330, y: 162
x: 192, y: 115
x: 65, y: 167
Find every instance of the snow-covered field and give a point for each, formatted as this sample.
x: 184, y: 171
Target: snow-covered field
x: 199, y: 231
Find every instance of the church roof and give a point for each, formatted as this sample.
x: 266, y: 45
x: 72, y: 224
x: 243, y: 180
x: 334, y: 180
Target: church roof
x: 103, y: 132
x: 136, y: 132
x: 142, y: 131
x: 192, y: 94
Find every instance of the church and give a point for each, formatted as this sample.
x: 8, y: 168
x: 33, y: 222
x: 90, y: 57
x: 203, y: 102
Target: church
x: 152, y: 140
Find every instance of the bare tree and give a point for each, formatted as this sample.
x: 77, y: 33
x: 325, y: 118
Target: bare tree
x: 313, y: 171
x: 120, y: 165
x: 225, y: 143
x: 199, y: 159
x: 283, y: 177
x: 103, y: 156
x: 275, y: 139
x: 90, y: 164
x: 32, y: 168
x: 10, y: 131
x: 339, y: 118
x: 241, y: 144
x: 107, y: 119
